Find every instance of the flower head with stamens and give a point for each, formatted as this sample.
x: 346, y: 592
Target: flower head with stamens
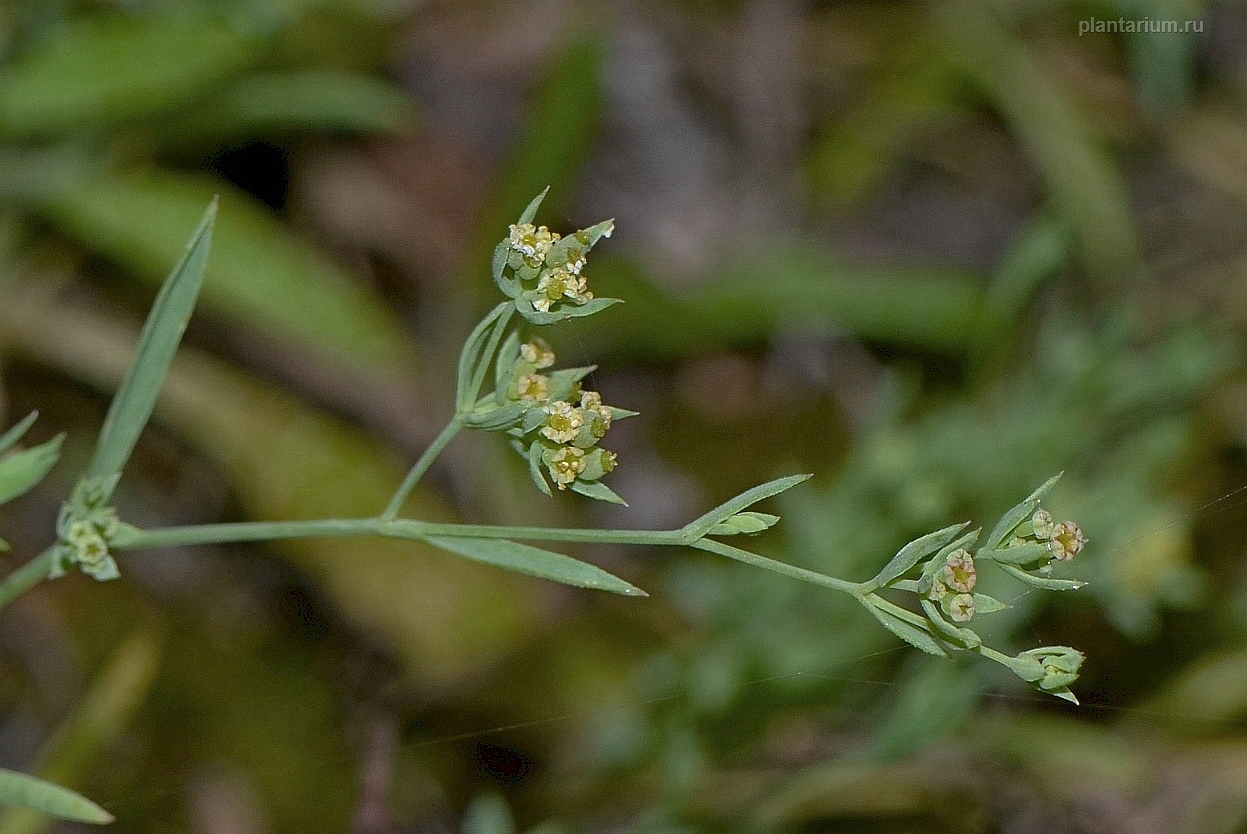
x: 961, y: 608
x: 533, y: 387
x: 958, y: 572
x: 557, y: 284
x: 565, y: 464
x: 1067, y: 540
x: 562, y: 422
x: 537, y: 353
x: 533, y: 242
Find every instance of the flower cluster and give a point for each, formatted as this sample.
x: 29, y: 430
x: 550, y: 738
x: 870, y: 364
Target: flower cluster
x: 559, y: 424
x: 1025, y: 544
x: 543, y: 271
x: 84, y: 528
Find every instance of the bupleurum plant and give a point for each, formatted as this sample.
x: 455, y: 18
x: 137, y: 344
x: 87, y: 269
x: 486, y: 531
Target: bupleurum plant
x: 506, y: 383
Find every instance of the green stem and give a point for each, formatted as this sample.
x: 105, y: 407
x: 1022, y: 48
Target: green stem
x: 793, y: 571
x: 132, y: 538
x: 421, y: 466
x: 27, y: 576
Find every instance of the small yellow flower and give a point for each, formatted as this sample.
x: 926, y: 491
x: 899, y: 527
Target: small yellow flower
x: 597, y: 415
x: 1067, y: 540
x: 534, y: 387
x: 537, y: 353
x: 961, y: 608
x: 562, y: 423
x: 558, y: 283
x: 958, y: 572
x: 609, y: 460
x: 565, y: 465
x: 532, y: 242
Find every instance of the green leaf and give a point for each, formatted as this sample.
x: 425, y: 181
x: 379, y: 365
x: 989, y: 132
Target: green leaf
x: 699, y: 527
x: 107, y: 69
x: 530, y: 211
x: 914, y: 635
x: 951, y: 632
x: 17, y: 432
x: 162, y: 332
x: 597, y: 491
x: 535, y: 468
x: 504, y: 366
x: 1047, y: 583
x: 1018, y: 555
x: 496, y: 418
x: 22, y: 791
x: 983, y: 604
x: 567, y: 311
x: 1042, y: 491
x: 524, y: 558
x: 912, y: 553
x: 20, y: 472
x: 562, y: 382
x: 473, y: 354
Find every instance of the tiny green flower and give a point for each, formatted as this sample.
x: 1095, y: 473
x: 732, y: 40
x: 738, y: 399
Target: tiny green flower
x: 558, y: 283
x: 960, y: 608
x: 537, y: 353
x: 565, y: 465
x: 1067, y: 540
x: 562, y: 421
x: 532, y: 242
x: 594, y: 414
x: 937, y: 591
x: 958, y: 572
x: 534, y: 387
x: 1042, y: 524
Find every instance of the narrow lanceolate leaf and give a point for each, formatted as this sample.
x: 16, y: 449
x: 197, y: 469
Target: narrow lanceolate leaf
x: 530, y: 211
x: 699, y: 527
x: 598, y: 491
x: 916, y: 636
x: 162, y: 333
x: 910, y: 554
x: 524, y: 558
x: 1047, y: 583
x: 21, y: 791
x: 22, y: 471
x: 17, y: 432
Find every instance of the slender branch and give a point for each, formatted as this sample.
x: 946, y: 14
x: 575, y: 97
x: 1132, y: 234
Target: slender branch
x: 133, y: 538
x: 27, y: 576
x: 420, y: 467
x: 793, y: 571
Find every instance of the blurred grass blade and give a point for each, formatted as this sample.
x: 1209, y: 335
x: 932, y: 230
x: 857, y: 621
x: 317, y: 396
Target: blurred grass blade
x: 105, y: 709
x: 1078, y: 172
x: 21, y: 791
x: 162, y: 333
x: 109, y: 69
x: 488, y: 814
x: 261, y: 275
x: 20, y: 472
x: 304, y: 101
x: 535, y: 561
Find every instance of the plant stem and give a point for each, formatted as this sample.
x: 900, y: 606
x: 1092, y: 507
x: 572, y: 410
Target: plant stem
x: 132, y: 538
x: 27, y: 576
x: 793, y: 571
x: 420, y: 467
